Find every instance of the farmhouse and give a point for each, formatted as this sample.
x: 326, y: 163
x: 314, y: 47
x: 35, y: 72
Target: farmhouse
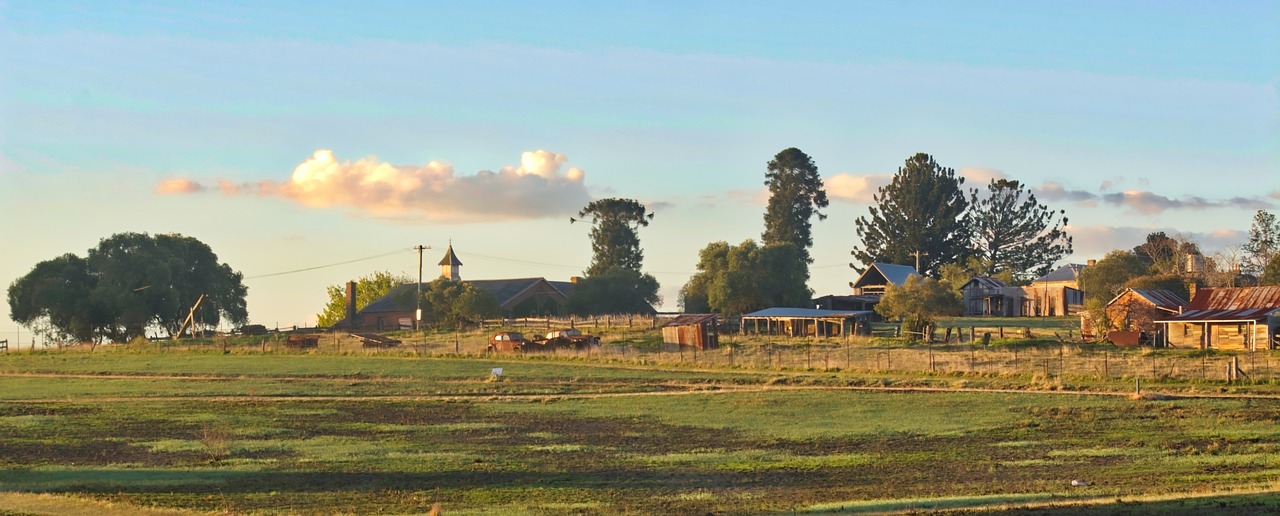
x: 1227, y: 318
x: 989, y: 296
x: 694, y: 330
x: 1057, y: 293
x: 806, y: 322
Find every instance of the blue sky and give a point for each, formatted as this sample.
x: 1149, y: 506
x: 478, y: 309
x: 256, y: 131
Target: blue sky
x: 488, y: 123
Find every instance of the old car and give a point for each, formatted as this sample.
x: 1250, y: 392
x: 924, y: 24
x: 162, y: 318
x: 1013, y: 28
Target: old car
x: 507, y: 341
x: 568, y: 338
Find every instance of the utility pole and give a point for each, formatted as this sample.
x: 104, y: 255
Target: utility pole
x: 917, y: 254
x: 417, y: 314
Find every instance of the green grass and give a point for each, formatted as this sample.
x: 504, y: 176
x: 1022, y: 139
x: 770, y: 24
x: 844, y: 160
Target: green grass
x: 308, y: 433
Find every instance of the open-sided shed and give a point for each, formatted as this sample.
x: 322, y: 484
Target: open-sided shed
x: 693, y: 330
x: 805, y: 322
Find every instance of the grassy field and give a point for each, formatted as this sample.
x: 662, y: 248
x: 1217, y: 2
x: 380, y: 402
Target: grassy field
x: 120, y: 431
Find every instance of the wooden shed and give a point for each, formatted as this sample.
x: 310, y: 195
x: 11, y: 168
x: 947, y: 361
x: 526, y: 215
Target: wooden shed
x: 693, y: 330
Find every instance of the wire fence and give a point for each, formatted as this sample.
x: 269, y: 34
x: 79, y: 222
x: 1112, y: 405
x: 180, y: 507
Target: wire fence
x: 632, y: 339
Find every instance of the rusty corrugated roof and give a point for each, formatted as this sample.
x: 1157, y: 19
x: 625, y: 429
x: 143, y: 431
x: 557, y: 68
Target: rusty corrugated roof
x: 1231, y: 304
x: 688, y: 319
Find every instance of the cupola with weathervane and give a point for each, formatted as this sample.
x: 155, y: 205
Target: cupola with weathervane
x: 449, y: 265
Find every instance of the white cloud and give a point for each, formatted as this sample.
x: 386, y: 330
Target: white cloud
x: 1145, y: 202
x: 856, y: 188
x: 534, y: 189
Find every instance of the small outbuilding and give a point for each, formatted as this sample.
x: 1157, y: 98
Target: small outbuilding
x: 692, y: 330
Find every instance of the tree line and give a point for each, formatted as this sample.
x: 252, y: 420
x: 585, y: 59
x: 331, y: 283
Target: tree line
x: 128, y: 284
x: 924, y: 216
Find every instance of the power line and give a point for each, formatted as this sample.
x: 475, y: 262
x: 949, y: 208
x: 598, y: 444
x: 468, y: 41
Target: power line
x: 579, y: 267
x: 526, y: 262
x: 327, y: 266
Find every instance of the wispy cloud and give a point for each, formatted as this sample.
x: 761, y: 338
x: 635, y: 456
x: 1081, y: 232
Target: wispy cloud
x: 536, y: 188
x: 1145, y: 202
x: 752, y: 197
x: 1096, y: 241
x: 859, y: 188
x: 179, y: 186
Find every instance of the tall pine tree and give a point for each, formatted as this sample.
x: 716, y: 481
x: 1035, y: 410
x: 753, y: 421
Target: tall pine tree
x: 920, y: 216
x: 795, y: 196
x: 614, y: 280
x: 614, y: 238
x: 1014, y: 232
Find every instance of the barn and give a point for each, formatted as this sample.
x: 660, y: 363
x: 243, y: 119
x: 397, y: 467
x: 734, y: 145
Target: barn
x: 692, y: 330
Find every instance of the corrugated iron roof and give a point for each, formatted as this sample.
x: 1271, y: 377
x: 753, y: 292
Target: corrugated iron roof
x: 892, y: 273
x: 503, y: 290
x: 1068, y: 272
x: 689, y: 319
x: 985, y: 282
x: 1159, y: 297
x: 806, y: 313
x: 1230, y: 304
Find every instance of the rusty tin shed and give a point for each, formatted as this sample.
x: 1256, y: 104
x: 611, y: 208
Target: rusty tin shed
x: 695, y: 330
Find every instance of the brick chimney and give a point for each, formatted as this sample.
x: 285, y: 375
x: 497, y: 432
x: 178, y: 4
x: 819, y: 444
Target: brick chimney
x: 351, y: 305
